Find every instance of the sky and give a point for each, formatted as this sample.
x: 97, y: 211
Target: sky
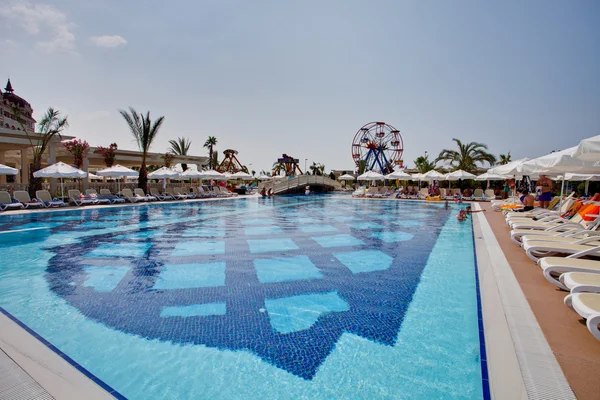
x: 301, y: 77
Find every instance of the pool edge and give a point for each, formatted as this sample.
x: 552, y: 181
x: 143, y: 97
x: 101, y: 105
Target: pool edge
x: 520, y: 362
x: 53, y: 370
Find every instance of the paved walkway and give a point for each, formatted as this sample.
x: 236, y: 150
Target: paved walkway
x: 17, y: 384
x: 576, y: 350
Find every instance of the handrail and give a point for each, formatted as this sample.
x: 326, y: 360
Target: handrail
x: 299, y: 181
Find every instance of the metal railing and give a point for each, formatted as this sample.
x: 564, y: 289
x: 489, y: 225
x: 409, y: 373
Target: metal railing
x: 296, y: 182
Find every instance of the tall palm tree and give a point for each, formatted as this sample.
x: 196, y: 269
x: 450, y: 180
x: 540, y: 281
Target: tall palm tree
x: 181, y: 147
x: 423, y: 164
x: 210, y: 142
x: 504, y: 159
x: 467, y: 156
x: 50, y: 126
x: 144, y: 131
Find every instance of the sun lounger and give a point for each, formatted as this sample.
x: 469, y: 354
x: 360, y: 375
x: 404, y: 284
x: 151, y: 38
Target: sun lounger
x: 489, y: 194
x: 23, y: 197
x: 478, y: 194
x: 554, y: 267
x: 581, y: 282
x: 226, y: 193
x: 106, y: 194
x: 360, y: 192
x: 140, y: 193
x: 131, y: 197
x: 549, y: 222
x: 6, y: 202
x: 44, y: 197
x: 587, y: 305
x: 162, y: 197
x: 79, y: 199
x: 536, y: 249
x: 176, y: 193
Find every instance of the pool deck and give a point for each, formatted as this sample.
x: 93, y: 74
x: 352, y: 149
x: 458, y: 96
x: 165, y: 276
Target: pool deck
x: 575, y: 349
x: 533, y: 340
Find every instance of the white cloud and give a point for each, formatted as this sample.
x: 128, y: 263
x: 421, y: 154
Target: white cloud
x: 41, y: 20
x: 108, y: 41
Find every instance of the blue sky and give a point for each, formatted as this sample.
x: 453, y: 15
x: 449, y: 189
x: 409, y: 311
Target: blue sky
x: 301, y: 77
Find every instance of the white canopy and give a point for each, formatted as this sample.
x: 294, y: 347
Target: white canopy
x: 164, y: 173
x: 212, y: 174
x: 512, y: 168
x: 581, y: 177
x: 371, y: 176
x: 398, y: 175
x: 346, y: 177
x: 190, y: 174
x: 459, y: 174
x: 264, y: 177
x: 588, y: 149
x: 489, y: 177
x: 417, y: 176
x: 6, y: 170
x: 242, y: 175
x: 560, y: 162
x: 118, y: 171
x: 433, y: 175
x: 60, y: 170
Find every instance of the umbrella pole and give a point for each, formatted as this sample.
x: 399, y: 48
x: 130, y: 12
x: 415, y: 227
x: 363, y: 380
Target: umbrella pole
x: 587, y: 187
x: 562, y: 188
x: 62, y: 188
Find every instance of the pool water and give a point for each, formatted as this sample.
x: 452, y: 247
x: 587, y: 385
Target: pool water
x: 288, y: 297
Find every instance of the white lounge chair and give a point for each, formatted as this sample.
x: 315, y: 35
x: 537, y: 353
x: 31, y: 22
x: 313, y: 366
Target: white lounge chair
x: 106, y: 194
x: 79, y: 199
x: 177, y: 196
x: 23, y: 197
x: 44, y: 197
x: 478, y: 195
x: 162, y: 197
x: 6, y: 202
x: 130, y: 197
x: 581, y: 282
x: 587, y: 305
x: 140, y: 192
x: 489, y: 194
x: 536, y: 249
x: 360, y: 192
x: 550, y: 222
x: 554, y: 267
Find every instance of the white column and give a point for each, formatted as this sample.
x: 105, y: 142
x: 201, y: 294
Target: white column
x: 86, y: 165
x: 52, y: 160
x: 18, y: 176
x: 2, y: 161
x: 24, y: 167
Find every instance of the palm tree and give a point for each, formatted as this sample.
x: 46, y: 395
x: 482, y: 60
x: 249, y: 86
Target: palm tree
x: 181, y: 147
x: 50, y: 126
x: 423, y: 164
x: 144, y: 130
x: 210, y: 142
x: 504, y: 159
x: 467, y: 156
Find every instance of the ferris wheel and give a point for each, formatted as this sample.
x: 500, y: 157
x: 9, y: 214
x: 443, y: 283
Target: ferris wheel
x: 379, y: 146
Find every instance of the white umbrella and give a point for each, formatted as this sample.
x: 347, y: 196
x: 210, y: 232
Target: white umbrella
x: 581, y: 177
x: 346, y: 177
x: 60, y: 170
x: 212, y: 174
x: 164, y: 173
x: 588, y: 149
x: 459, y: 174
x: 489, y: 177
x: 371, y: 176
x: 433, y: 175
x: 191, y: 174
x: 6, y: 170
x: 118, y: 171
x: 399, y: 175
x: 512, y: 168
x: 243, y: 176
x: 560, y: 162
x: 264, y: 177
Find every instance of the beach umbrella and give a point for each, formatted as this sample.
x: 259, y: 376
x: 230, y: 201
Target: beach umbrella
x: 118, y: 171
x: 432, y: 175
x: 346, y: 177
x: 264, y: 177
x: 190, y: 174
x: 212, y: 174
x: 582, y: 177
x: 588, y: 149
x: 371, y: 176
x: 512, y: 168
x: 6, y: 170
x: 60, y: 170
x: 459, y: 174
x: 164, y: 173
x: 489, y: 177
x: 243, y: 176
x: 399, y: 175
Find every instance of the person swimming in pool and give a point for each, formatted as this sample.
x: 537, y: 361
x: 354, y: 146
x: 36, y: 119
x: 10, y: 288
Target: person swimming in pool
x: 462, y: 215
x: 546, y: 195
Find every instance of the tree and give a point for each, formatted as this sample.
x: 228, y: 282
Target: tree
x: 144, y: 131
x: 210, y: 142
x: 215, y: 159
x: 181, y: 147
x: 108, y: 153
x: 50, y: 126
x: 467, y: 156
x: 317, y: 168
x: 423, y: 164
x: 77, y: 148
x: 504, y: 159
x: 168, y: 157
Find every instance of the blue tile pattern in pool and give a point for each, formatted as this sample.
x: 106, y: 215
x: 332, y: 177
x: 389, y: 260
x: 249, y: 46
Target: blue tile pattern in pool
x: 204, y: 307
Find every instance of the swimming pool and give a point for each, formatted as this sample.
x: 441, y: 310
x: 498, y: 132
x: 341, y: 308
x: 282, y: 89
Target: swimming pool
x: 289, y: 297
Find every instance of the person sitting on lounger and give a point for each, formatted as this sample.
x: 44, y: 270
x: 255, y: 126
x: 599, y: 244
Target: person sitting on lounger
x: 527, y: 199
